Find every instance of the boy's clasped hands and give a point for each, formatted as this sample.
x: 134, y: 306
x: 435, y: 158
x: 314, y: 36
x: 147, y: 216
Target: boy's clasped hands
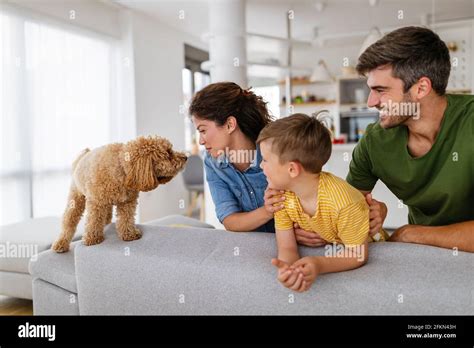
x: 298, y: 276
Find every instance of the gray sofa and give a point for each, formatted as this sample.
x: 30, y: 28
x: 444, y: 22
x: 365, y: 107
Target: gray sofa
x: 182, y: 270
x: 19, y: 243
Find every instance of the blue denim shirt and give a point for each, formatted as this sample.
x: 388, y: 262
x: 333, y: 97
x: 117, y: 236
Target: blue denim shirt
x: 234, y: 191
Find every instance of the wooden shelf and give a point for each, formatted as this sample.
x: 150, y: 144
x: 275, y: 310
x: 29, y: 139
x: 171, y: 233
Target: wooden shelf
x: 304, y: 82
x: 348, y: 106
x: 351, y: 78
x: 297, y: 82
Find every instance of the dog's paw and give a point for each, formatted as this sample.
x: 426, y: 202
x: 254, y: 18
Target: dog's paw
x: 134, y: 234
x: 92, y: 240
x: 60, y: 246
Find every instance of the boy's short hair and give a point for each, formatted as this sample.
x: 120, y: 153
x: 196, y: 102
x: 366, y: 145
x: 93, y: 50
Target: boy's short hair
x: 301, y: 138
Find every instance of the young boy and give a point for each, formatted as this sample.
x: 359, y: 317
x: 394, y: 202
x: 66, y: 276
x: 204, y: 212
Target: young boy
x: 294, y: 150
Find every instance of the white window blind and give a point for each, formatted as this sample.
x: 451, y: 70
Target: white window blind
x: 57, y: 97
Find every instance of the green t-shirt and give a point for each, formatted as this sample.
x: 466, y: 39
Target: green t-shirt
x: 438, y: 187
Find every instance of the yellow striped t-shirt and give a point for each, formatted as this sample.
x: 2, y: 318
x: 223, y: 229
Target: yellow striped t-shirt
x: 342, y: 214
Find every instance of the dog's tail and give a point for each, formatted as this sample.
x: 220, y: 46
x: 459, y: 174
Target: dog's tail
x: 76, y: 161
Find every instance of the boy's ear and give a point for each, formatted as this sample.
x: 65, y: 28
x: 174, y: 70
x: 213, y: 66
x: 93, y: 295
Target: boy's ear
x: 294, y: 169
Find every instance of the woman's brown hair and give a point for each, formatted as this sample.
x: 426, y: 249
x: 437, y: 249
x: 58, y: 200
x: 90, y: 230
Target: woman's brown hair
x: 220, y: 100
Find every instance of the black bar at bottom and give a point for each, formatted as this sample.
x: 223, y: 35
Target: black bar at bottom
x: 417, y: 330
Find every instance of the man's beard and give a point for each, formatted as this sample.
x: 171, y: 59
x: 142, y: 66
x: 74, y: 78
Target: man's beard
x: 392, y: 120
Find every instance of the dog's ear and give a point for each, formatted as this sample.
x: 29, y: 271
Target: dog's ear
x: 139, y: 155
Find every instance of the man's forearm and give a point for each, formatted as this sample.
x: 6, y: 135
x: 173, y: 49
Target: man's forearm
x: 459, y: 235
x: 248, y: 221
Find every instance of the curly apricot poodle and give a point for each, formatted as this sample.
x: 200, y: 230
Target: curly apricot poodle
x: 114, y: 175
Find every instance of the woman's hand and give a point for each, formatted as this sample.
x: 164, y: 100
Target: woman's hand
x: 311, y: 239
x: 271, y: 197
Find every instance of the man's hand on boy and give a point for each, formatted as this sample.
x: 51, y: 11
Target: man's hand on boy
x: 290, y: 277
x: 377, y: 214
x: 311, y: 239
x: 271, y: 197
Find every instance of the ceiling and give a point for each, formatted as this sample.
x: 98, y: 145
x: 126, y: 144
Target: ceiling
x: 336, y: 17
x: 333, y: 22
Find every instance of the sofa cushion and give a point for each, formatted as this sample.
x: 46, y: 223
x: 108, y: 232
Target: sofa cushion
x: 56, y: 268
x: 178, y: 221
x: 15, y: 284
x: 50, y: 299
x: 23, y: 240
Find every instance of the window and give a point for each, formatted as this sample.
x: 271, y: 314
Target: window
x: 271, y: 94
x: 56, y: 98
x: 194, y: 79
x: 192, y: 83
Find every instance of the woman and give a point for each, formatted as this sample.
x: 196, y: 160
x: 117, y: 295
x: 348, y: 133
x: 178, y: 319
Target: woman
x: 229, y: 120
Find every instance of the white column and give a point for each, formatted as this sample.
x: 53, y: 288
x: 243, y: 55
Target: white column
x: 227, y: 60
x: 227, y: 41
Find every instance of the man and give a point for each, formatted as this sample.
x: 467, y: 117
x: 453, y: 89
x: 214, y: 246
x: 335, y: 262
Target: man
x: 422, y: 148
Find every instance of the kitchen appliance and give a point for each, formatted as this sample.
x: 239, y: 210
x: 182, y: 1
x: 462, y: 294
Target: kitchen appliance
x: 355, y: 120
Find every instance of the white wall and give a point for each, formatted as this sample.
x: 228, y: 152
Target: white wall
x: 332, y: 55
x: 88, y: 14
x: 158, y: 55
x: 158, y: 59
